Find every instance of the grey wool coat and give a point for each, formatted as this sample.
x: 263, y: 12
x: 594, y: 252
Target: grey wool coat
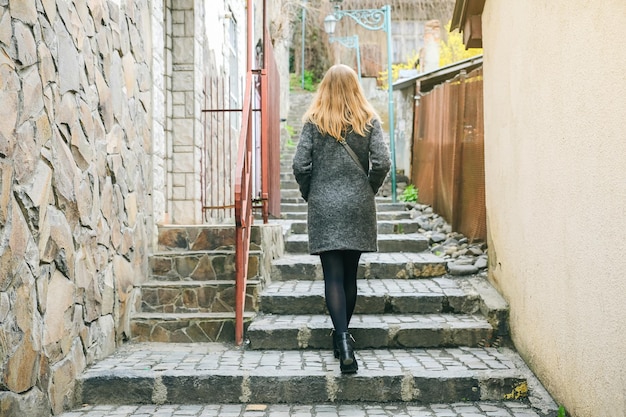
x: 340, y: 196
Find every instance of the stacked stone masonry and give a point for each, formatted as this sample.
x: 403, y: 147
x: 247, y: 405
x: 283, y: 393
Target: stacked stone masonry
x: 75, y: 185
x: 191, y: 294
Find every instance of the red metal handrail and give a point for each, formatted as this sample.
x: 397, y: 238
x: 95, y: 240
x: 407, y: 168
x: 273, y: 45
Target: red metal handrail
x: 262, y: 89
x: 243, y: 208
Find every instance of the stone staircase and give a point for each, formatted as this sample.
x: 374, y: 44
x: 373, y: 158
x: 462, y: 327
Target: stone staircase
x: 409, y: 317
x: 191, y: 294
x: 422, y: 335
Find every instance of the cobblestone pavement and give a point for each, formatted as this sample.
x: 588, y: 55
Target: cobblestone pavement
x: 208, y: 357
x: 203, y: 357
x: 486, y: 409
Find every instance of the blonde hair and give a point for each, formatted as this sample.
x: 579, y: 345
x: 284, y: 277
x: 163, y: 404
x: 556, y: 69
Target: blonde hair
x: 340, y: 104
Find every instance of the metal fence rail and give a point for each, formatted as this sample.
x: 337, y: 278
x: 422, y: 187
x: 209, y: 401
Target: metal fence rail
x: 448, y: 153
x: 222, y: 121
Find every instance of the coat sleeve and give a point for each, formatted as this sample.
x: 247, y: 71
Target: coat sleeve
x: 302, y: 160
x: 379, y: 157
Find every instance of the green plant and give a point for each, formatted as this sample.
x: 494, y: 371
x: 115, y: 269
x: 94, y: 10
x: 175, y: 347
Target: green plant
x: 290, y: 143
x: 409, y: 195
x: 310, y: 81
x: 561, y: 412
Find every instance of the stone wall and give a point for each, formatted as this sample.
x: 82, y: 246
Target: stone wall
x: 185, y: 133
x: 75, y: 189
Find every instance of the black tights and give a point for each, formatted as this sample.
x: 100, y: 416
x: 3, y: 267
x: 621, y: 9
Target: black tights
x: 340, y: 269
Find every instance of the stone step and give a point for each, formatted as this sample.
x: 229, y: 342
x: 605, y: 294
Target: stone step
x: 380, y: 206
x: 292, y: 200
x: 389, y: 207
x: 384, y: 226
x: 386, y: 243
x: 377, y: 296
x: 200, y: 265
x: 204, y: 373
x: 291, y: 194
x: 185, y: 327
x: 459, y: 409
x: 195, y: 296
x: 393, y: 215
x: 293, y: 207
x: 288, y: 185
x: 370, y: 331
x: 381, y: 215
x: 372, y: 265
x: 202, y: 237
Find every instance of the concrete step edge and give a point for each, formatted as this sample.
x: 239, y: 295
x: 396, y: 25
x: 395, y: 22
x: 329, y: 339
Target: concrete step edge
x: 204, y: 373
x: 391, y: 331
x: 183, y: 252
x: 188, y: 316
x: 479, y: 408
x: 426, y: 287
x: 414, y: 237
x: 194, y: 283
x: 391, y: 322
x: 381, y: 296
x: 366, y: 258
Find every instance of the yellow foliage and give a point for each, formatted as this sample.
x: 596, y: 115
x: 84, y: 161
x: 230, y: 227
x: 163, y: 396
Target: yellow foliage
x: 395, y: 70
x: 450, y: 51
x: 454, y: 50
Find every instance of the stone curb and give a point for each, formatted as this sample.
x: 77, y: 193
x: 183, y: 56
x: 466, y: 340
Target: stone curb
x: 370, y: 331
x: 373, y: 265
x: 193, y: 374
x: 461, y: 409
x: 386, y: 243
x: 378, y: 296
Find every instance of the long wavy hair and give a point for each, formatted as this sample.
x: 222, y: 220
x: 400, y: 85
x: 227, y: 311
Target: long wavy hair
x: 340, y: 106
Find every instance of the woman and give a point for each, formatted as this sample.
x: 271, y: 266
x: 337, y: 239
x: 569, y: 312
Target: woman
x: 340, y: 193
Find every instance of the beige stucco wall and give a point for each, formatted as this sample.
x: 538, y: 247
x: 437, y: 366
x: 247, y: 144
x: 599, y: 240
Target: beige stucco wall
x: 555, y: 150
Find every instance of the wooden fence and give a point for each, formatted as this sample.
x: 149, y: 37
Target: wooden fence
x: 448, y: 153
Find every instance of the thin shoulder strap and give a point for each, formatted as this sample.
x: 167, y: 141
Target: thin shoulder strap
x: 352, y: 154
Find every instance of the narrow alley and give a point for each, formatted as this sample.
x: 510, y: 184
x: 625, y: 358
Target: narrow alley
x: 422, y: 340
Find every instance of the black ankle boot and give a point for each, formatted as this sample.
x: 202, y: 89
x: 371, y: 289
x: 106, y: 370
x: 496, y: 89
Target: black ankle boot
x: 347, y: 361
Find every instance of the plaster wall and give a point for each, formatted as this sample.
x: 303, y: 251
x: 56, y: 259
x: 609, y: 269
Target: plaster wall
x: 404, y: 102
x: 217, y: 14
x: 279, y: 25
x: 555, y: 189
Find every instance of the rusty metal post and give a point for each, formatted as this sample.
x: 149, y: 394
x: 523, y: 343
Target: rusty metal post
x: 457, y: 210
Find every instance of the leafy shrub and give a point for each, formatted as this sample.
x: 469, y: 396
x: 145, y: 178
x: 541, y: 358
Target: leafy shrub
x: 310, y: 81
x: 409, y: 195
